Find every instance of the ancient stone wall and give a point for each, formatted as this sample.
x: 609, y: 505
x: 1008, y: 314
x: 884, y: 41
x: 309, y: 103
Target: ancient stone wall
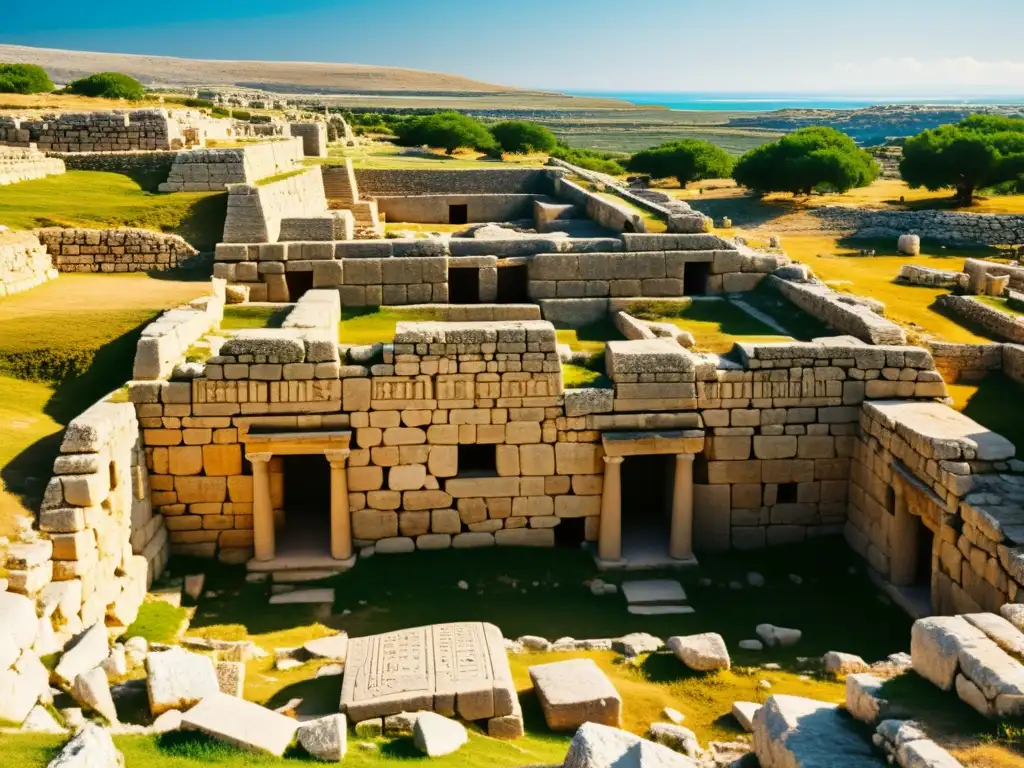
x: 970, y: 363
x: 609, y: 213
x: 114, y: 250
x: 115, y: 131
x: 155, y: 163
x: 434, y: 209
x: 933, y: 278
x: 944, y: 226
x: 87, y: 564
x: 978, y: 269
x: 165, y: 341
x: 24, y: 263
x: 314, y: 138
x: 1002, y: 325
x: 201, y: 170
x: 374, y: 182
x: 849, y: 314
x: 255, y: 211
x: 25, y: 163
x: 924, y: 465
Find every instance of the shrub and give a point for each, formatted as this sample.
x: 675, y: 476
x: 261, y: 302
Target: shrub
x: 198, y: 103
x: 805, y: 160
x: 589, y: 159
x: 520, y: 137
x: 688, y: 160
x: 220, y: 112
x: 445, y: 130
x: 24, y: 78
x: 241, y: 114
x: 109, y: 85
x: 980, y: 151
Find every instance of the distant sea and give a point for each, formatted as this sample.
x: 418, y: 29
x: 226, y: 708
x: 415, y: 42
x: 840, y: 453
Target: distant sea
x: 761, y: 102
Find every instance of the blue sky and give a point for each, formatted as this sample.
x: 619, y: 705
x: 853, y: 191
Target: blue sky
x: 906, y: 47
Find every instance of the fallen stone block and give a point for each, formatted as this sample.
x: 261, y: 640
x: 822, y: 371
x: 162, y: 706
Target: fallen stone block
x: 794, y: 732
x: 935, y: 645
x: 177, y: 679
x: 91, y: 747
x: 88, y: 650
x: 241, y: 723
x: 435, y: 735
x: 744, y: 712
x: 575, y: 692
x: 702, y: 653
x: 676, y: 737
x: 838, y: 663
x: 325, y: 739
x: 92, y: 690
x: 601, y: 746
x: 334, y: 647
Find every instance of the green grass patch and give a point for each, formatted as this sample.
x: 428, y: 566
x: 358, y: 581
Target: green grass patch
x: 999, y: 303
x: 242, y: 316
x: 109, y: 200
x: 652, y: 222
x: 369, y: 325
x: 158, y: 622
x: 279, y: 177
x: 986, y: 403
x: 591, y: 337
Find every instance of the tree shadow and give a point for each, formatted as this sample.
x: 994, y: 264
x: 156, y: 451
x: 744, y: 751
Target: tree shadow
x: 974, y: 327
x: 203, y: 225
x: 747, y: 211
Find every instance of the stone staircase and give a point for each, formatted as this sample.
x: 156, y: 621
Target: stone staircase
x: 343, y: 194
x: 656, y: 597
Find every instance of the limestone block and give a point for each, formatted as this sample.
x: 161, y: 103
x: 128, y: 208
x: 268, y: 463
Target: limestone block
x: 407, y: 477
x: 578, y: 459
x: 935, y: 645
x: 241, y: 723
x: 177, y: 679
x: 601, y: 746
x: 525, y: 537
x: 702, y: 653
x: 537, y: 459
x: 575, y: 692
x: 372, y: 524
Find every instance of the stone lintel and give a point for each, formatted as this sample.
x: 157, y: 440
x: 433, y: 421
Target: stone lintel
x: 646, y: 443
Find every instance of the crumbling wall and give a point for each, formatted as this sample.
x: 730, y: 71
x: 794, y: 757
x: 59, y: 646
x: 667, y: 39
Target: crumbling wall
x: 377, y: 182
x: 165, y: 341
x: 314, y: 138
x: 201, y: 170
x: 24, y: 263
x: 933, y: 278
x: 114, y: 250
x: 26, y: 163
x: 255, y: 211
x: 115, y: 131
x: 944, y: 226
x: 841, y: 312
x: 1000, y: 324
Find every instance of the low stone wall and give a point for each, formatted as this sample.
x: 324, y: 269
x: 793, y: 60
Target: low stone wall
x: 830, y: 307
x: 24, y: 263
x: 1001, y: 325
x: 165, y: 341
x: 933, y: 278
x: 255, y: 211
x: 115, y: 250
x: 94, y: 131
x: 314, y: 138
x: 434, y: 209
x: 611, y: 214
x: 154, y: 162
x: 375, y: 182
x: 944, y: 226
x: 26, y: 163
x: 213, y: 169
x: 978, y: 269
x: 972, y: 362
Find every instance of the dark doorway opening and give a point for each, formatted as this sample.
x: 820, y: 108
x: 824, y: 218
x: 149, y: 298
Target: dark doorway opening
x: 463, y: 285
x: 307, y: 503
x: 298, y: 283
x: 570, y: 532
x: 627, y: 226
x: 513, y: 285
x: 925, y: 542
x: 695, y: 278
x: 647, y: 503
x: 458, y: 214
x: 787, y: 493
x: 479, y: 460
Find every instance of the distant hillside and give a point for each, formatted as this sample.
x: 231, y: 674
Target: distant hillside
x: 277, y: 76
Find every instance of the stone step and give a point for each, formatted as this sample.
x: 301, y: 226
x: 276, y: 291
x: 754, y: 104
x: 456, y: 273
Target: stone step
x: 661, y: 610
x: 653, y: 592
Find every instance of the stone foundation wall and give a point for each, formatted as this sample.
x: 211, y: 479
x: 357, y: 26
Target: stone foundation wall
x: 24, y: 263
x: 972, y: 362
x: 83, y: 569
x: 114, y: 250
x: 26, y: 163
x: 842, y: 312
x: 156, y: 162
x: 977, y: 270
x: 314, y: 138
x: 611, y: 214
x: 944, y: 226
x: 434, y: 209
x: 115, y: 131
x: 165, y: 341
x: 1000, y: 324
x: 201, y: 170
x: 933, y: 278
x: 375, y: 182
x: 255, y: 212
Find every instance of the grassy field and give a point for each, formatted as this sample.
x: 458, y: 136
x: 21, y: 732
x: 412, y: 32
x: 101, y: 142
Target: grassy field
x: 369, y: 325
x: 100, y: 199
x: 651, y: 222
x: 242, y: 316
x: 631, y: 139
x: 383, y: 154
x: 64, y: 345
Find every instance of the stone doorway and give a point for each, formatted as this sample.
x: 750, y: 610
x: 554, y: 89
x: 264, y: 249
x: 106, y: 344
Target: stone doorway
x: 458, y: 214
x: 914, y: 509
x: 695, y: 278
x: 298, y: 283
x: 463, y: 285
x: 306, y: 522
x: 647, y: 483
x: 513, y: 284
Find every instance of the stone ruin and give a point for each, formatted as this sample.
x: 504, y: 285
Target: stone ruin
x: 24, y: 263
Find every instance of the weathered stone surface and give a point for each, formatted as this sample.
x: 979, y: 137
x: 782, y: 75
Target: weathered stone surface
x: 334, y: 647
x: 435, y: 735
x: 231, y: 677
x: 177, y: 679
x: 863, y: 697
x: 999, y: 630
x: 772, y: 635
x: 458, y: 668
x: 601, y: 746
x: 92, y: 690
x: 838, y: 663
x: 241, y: 723
x: 794, y: 732
x: 16, y: 699
x: 89, y: 650
x: 636, y: 643
x: 325, y: 739
x: 702, y: 653
x: 18, y: 617
x: 91, y: 747
x: 744, y: 712
x: 935, y: 645
x: 676, y: 737
x: 574, y: 692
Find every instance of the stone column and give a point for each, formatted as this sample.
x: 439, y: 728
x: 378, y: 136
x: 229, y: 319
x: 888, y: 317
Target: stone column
x: 609, y: 542
x: 681, y: 541
x: 903, y: 539
x: 341, y: 522
x: 262, y: 506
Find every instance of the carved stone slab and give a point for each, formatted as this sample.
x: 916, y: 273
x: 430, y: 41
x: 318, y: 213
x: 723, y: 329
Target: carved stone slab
x: 459, y: 668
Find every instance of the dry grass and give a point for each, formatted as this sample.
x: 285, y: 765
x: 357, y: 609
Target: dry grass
x: 67, y: 102
x: 383, y: 154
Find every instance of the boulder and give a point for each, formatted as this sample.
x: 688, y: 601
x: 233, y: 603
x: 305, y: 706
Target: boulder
x: 863, y: 697
x: 676, y: 737
x: 574, y: 692
x: 1012, y: 612
x: 838, y: 663
x: 92, y: 690
x: 400, y: 724
x: 744, y: 712
x: 177, y: 679
x: 935, y: 645
x: 772, y: 635
x: 325, y: 739
x: 116, y: 663
x: 794, y: 732
x: 601, y: 746
x: 241, y: 723
x: 435, y: 735
x: 702, y: 653
x: 636, y: 643
x: 334, y: 647
x: 88, y: 650
x: 167, y: 722
x: 91, y: 747
x: 18, y: 617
